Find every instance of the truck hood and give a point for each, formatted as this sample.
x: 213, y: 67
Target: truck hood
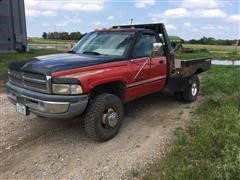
x: 59, y: 62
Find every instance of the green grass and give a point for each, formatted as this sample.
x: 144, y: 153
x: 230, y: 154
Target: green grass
x: 6, y: 59
x: 49, y: 41
x: 205, y: 53
x: 217, y: 51
x: 194, y: 55
x: 212, y: 47
x: 208, y: 148
x: 225, y: 55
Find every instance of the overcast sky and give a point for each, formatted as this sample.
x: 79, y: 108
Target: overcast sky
x: 185, y: 18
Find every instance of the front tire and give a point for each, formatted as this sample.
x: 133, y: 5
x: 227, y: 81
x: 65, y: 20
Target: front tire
x: 103, y: 117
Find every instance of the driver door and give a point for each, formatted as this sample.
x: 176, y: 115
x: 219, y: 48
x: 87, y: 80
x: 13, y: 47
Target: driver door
x: 140, y: 83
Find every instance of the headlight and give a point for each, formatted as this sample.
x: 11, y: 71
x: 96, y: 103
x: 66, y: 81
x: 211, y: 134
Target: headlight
x: 67, y: 89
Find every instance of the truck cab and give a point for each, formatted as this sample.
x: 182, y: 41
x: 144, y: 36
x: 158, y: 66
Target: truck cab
x: 102, y: 71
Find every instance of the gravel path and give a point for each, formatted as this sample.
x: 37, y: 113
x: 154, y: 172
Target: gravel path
x: 33, y: 147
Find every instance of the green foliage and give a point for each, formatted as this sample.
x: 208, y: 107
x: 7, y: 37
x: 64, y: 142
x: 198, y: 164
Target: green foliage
x: 63, y: 35
x: 6, y: 59
x: 75, y: 36
x: 210, y: 147
x: 175, y: 38
x: 44, y: 36
x: 212, y: 41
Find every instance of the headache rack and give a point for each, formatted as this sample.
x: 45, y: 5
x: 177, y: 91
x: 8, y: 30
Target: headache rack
x: 158, y: 27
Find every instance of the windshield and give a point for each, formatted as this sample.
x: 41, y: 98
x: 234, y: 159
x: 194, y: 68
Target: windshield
x: 111, y: 43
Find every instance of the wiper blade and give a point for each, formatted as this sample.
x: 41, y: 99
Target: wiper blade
x: 72, y: 52
x: 91, y: 52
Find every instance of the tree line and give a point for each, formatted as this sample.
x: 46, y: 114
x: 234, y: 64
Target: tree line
x: 212, y: 41
x: 62, y: 35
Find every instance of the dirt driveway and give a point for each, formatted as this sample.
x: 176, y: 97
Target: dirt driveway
x: 33, y: 147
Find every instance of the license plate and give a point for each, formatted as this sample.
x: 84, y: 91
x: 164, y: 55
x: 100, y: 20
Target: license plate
x: 22, y: 109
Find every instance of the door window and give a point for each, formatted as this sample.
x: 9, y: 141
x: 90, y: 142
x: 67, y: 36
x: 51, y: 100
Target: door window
x: 144, y: 46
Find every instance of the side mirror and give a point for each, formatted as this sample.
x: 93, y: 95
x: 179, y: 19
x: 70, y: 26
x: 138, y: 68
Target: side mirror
x: 157, y: 50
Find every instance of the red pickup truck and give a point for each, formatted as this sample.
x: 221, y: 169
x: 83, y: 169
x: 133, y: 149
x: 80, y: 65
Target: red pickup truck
x: 103, y: 70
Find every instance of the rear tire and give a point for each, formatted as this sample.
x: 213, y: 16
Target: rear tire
x: 191, y: 92
x: 103, y: 117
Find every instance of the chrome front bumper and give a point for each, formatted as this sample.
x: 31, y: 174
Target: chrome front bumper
x: 47, y: 105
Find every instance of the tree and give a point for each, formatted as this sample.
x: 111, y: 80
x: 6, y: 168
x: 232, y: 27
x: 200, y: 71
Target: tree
x: 44, y: 36
x: 75, y: 35
x: 63, y: 36
x: 212, y: 41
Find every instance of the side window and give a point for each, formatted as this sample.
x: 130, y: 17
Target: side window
x: 144, y: 45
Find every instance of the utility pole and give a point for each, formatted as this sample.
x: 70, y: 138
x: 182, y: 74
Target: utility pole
x: 237, y: 44
x: 131, y: 21
x: 55, y: 33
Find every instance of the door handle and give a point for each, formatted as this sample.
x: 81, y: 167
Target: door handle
x: 161, y: 62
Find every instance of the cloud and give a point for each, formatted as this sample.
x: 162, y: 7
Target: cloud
x: 196, y: 4
x: 234, y: 18
x: 83, y: 6
x: 49, y: 13
x: 144, y: 3
x: 212, y: 27
x: 185, y: 13
x: 187, y: 25
x: 110, y: 17
x: 170, y: 27
x: 176, y: 13
x: 37, y: 8
x: 68, y: 20
x: 210, y: 13
x: 46, y: 24
x: 37, y: 13
x: 96, y: 23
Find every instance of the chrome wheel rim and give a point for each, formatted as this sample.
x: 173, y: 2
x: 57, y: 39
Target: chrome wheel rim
x: 110, y: 118
x: 194, y: 89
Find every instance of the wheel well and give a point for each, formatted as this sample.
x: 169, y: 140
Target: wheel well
x: 198, y: 71
x: 117, y: 88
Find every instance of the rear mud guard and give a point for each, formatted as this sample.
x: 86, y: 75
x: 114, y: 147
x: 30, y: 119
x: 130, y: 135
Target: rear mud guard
x: 178, y: 84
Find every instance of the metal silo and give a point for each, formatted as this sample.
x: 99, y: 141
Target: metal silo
x: 13, y: 34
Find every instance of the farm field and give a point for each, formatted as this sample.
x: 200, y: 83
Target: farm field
x: 213, y: 47
x: 215, y: 51
x: 49, y: 41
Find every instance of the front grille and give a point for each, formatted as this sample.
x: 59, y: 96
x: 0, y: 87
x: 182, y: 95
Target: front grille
x: 29, y: 80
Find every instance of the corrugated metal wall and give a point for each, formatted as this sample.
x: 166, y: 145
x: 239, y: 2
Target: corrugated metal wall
x: 13, y: 34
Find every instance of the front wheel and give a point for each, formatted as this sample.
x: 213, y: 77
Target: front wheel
x: 103, y: 117
x: 192, y: 90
